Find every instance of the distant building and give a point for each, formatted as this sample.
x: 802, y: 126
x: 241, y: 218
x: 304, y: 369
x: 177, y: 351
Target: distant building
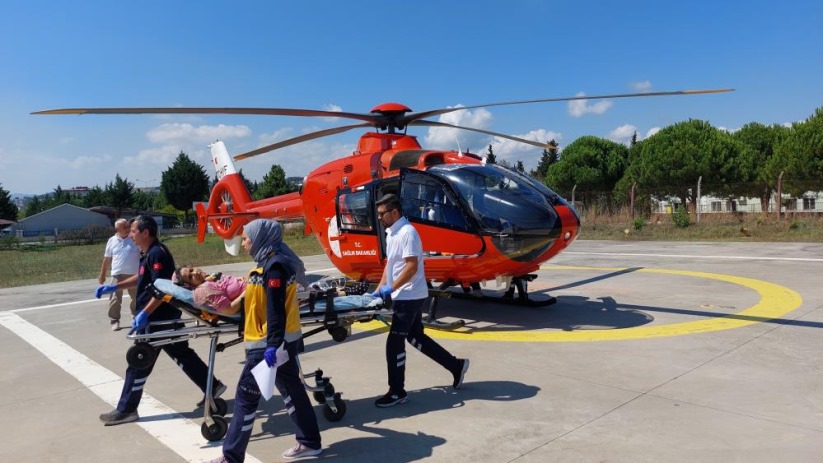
x: 57, y: 220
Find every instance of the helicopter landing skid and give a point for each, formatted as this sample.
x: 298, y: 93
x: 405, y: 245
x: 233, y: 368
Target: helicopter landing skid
x: 509, y: 300
x: 430, y: 319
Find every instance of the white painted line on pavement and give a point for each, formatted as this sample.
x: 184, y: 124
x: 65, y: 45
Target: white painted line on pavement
x: 176, y: 432
x: 691, y: 256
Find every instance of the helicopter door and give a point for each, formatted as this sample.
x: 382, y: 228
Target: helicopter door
x: 353, y: 232
x: 431, y: 205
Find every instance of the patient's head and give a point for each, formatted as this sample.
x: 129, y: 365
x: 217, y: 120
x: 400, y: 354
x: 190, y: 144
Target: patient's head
x: 190, y: 277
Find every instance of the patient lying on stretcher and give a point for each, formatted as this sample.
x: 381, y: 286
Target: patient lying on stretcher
x: 223, y: 293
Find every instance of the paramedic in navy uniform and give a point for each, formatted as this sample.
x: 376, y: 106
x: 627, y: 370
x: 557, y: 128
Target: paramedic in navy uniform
x: 404, y: 279
x: 272, y: 321
x: 156, y: 262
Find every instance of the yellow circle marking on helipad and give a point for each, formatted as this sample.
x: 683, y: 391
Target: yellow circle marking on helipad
x: 775, y: 301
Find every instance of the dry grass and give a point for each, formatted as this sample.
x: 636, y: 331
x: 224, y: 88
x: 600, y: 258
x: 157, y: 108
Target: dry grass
x: 712, y: 227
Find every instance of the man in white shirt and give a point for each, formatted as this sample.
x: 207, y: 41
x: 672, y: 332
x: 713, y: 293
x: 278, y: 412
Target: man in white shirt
x: 123, y: 256
x: 405, y: 280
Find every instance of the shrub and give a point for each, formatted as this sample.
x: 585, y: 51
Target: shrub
x: 639, y: 223
x: 794, y: 225
x: 681, y: 218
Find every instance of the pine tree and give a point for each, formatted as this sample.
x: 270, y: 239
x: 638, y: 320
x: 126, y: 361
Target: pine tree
x: 119, y: 194
x: 634, y: 139
x: 490, y: 157
x: 520, y: 168
x: 547, y: 158
x: 8, y: 210
x: 274, y: 183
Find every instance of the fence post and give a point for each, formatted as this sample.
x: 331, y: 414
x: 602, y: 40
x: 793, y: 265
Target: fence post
x: 779, y: 200
x: 631, y: 199
x: 697, y: 201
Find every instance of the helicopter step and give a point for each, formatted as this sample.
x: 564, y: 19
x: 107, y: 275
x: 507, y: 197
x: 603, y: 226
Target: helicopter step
x: 518, y: 285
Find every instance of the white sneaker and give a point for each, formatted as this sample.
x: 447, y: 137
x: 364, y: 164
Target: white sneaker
x: 115, y: 325
x: 301, y: 451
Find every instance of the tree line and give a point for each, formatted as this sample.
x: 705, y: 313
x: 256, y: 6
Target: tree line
x: 750, y: 162
x: 182, y: 184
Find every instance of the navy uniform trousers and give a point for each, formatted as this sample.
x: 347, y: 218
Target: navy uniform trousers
x: 183, y: 356
x: 247, y: 398
x: 407, y: 325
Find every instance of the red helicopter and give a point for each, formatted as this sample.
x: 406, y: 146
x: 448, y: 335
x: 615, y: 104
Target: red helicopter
x: 478, y: 221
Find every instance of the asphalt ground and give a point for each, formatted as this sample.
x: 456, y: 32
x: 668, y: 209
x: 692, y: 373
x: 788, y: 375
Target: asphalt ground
x: 653, y: 352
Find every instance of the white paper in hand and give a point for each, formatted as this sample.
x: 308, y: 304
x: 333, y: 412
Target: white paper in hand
x: 265, y: 375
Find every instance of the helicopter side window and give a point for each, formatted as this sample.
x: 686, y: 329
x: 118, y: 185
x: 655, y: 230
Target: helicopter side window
x: 426, y: 200
x: 354, y: 211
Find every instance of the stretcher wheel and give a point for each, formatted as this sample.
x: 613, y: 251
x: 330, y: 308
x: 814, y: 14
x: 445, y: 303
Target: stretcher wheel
x: 220, y: 407
x: 140, y: 355
x: 319, y: 397
x: 339, y: 333
x: 341, y: 410
x: 216, y: 431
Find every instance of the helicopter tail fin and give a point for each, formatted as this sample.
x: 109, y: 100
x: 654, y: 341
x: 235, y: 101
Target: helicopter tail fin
x: 202, y: 222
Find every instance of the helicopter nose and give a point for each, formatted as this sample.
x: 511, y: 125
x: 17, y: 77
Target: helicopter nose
x: 527, y: 231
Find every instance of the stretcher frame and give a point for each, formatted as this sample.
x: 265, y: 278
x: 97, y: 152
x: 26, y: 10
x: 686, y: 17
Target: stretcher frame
x: 205, y: 322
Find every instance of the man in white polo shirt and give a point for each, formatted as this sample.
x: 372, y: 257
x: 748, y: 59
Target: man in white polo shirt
x: 123, y: 256
x: 405, y: 280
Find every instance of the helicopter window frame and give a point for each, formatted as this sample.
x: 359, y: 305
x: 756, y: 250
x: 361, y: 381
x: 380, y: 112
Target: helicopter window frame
x: 435, y: 205
x: 353, y: 211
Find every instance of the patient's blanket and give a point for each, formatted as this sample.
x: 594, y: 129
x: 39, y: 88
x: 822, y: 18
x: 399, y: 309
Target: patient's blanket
x: 341, y: 303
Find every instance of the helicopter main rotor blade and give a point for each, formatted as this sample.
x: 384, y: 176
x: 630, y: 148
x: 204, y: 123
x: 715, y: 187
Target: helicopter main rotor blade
x: 487, y: 132
x: 405, y: 120
x: 300, y: 139
x: 238, y: 111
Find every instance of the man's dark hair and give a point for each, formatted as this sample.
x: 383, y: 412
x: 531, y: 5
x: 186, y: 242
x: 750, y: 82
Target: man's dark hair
x: 390, y: 201
x: 145, y: 222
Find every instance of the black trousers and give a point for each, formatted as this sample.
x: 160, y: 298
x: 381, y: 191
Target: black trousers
x: 407, y: 325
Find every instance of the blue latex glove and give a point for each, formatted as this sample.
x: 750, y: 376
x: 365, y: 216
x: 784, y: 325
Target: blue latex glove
x: 104, y: 289
x: 270, y: 355
x: 383, y: 292
x: 140, y: 322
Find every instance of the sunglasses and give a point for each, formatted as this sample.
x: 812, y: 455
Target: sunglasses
x: 380, y: 214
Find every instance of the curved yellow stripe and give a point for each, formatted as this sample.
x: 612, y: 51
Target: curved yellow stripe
x: 775, y: 301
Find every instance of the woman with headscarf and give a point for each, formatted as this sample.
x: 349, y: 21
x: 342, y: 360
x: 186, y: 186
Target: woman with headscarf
x: 272, y: 322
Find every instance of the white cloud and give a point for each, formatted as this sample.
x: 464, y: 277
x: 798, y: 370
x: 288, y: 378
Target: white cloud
x: 204, y: 134
x: 448, y: 138
x: 623, y: 134
x: 651, y: 132
x: 332, y: 107
x: 644, y: 86
x: 81, y: 162
x: 578, y: 108
x: 160, y: 156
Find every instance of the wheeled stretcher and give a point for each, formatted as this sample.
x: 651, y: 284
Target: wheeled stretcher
x: 322, y: 308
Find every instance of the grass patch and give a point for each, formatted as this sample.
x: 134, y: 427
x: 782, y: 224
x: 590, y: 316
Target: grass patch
x: 46, y: 263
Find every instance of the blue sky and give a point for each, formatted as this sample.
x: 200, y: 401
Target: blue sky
x: 354, y: 55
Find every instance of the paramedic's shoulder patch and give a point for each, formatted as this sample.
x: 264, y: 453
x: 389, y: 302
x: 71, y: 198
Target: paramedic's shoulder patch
x: 157, y: 266
x: 274, y: 282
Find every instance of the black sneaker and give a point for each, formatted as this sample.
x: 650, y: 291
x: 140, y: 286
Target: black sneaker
x: 114, y: 417
x: 219, y: 389
x: 460, y: 373
x: 391, y: 399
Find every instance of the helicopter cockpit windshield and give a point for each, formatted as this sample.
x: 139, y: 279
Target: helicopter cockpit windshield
x: 517, y: 214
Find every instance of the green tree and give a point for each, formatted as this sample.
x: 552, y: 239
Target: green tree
x: 8, y: 210
x: 594, y: 164
x: 119, y: 194
x: 670, y: 163
x: 274, y: 183
x: 58, y: 196
x: 184, y: 183
x: 520, y: 167
x: 633, y: 140
x: 35, y: 206
x: 800, y: 156
x: 95, y: 197
x: 550, y: 156
x: 758, y: 142
x: 490, y: 157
